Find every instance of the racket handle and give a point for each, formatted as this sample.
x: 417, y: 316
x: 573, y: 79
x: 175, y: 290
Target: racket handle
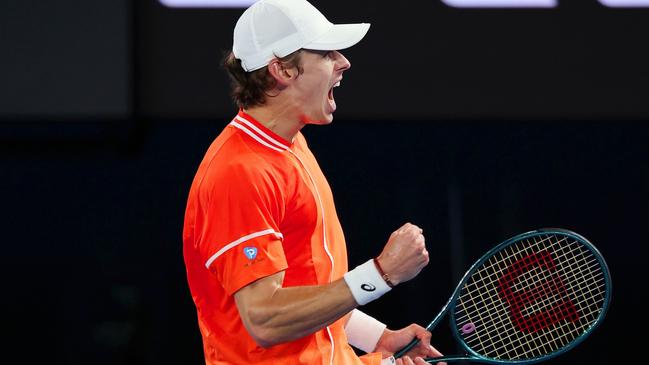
x: 409, y: 346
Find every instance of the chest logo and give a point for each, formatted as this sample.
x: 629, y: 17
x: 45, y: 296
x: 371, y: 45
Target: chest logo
x: 250, y: 252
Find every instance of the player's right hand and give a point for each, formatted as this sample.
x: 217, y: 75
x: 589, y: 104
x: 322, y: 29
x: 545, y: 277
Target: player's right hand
x: 405, y: 254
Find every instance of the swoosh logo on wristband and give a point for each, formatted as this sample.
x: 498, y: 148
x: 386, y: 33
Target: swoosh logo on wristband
x: 368, y: 287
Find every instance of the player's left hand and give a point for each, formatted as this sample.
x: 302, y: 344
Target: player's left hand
x: 393, y: 341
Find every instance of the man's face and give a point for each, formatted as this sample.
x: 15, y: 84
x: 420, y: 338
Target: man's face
x: 322, y: 71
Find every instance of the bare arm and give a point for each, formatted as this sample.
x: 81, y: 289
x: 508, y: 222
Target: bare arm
x: 273, y: 314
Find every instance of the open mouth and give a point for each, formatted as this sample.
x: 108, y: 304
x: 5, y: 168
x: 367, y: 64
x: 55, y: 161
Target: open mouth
x: 330, y: 95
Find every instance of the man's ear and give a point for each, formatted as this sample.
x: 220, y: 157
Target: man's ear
x: 283, y: 75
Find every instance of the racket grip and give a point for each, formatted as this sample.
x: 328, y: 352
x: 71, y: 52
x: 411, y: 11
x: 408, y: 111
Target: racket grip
x: 409, y: 346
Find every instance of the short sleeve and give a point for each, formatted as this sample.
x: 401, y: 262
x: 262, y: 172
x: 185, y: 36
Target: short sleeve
x: 241, y: 241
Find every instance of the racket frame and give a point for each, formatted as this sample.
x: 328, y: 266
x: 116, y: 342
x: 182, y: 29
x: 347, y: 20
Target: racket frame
x: 450, y: 305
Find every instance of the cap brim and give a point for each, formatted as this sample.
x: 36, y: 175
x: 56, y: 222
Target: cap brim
x: 340, y: 36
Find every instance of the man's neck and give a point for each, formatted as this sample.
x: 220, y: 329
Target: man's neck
x: 278, y: 119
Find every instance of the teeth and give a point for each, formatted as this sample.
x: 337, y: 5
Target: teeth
x: 337, y: 84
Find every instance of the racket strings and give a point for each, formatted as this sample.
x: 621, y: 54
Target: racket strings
x: 555, y: 298
x: 510, y: 338
x: 510, y: 259
x: 540, y: 307
x: 514, y: 349
x: 482, y: 282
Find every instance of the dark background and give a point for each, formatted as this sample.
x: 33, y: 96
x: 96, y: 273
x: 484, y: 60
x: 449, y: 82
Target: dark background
x: 474, y: 124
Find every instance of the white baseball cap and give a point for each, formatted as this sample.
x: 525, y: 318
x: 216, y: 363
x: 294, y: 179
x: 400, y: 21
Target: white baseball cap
x: 270, y: 29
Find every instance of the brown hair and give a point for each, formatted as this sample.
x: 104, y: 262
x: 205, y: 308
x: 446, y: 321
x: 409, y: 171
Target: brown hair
x: 251, y: 88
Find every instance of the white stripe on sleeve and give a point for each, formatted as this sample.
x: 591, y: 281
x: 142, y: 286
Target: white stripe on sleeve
x: 240, y: 241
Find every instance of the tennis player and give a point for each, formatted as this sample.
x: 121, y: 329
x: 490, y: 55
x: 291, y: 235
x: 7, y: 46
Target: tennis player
x: 264, y: 250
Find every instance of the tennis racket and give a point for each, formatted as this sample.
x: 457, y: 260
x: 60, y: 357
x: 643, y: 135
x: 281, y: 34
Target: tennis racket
x: 531, y: 298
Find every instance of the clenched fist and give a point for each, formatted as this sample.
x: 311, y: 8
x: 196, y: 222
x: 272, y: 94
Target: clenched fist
x: 405, y: 254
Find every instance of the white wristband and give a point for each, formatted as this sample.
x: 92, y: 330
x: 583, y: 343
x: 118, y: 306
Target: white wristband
x: 366, y: 283
x: 363, y: 331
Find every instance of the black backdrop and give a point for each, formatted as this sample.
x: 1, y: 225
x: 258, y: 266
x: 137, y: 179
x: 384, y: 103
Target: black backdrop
x: 66, y: 59
x: 92, y: 212
x: 425, y: 60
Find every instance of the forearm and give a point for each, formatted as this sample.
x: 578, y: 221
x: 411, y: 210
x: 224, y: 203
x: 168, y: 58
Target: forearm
x: 273, y: 314
x: 287, y: 314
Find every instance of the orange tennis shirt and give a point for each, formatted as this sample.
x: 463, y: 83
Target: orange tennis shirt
x: 259, y: 205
